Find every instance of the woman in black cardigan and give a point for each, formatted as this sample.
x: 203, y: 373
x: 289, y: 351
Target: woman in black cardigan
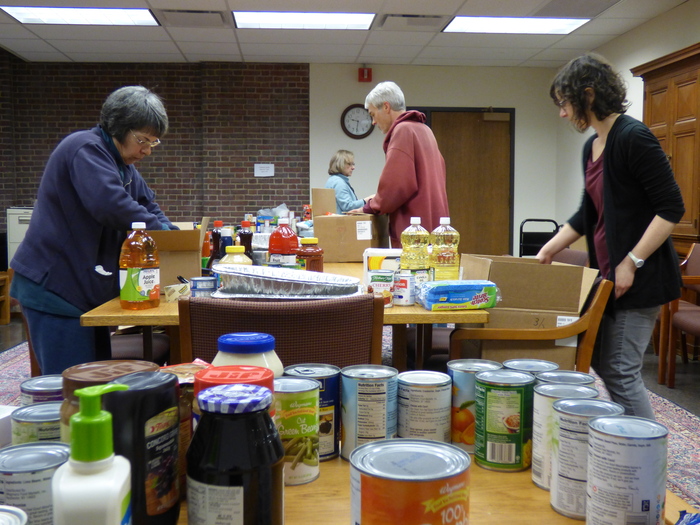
x: 630, y: 205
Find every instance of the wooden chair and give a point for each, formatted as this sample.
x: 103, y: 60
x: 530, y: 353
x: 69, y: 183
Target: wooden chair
x: 586, y: 327
x: 340, y: 331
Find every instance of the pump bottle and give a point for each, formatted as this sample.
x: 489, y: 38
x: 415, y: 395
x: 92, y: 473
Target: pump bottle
x: 94, y: 486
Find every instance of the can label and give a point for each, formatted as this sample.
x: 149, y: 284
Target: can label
x: 382, y: 283
x: 368, y: 405
x: 161, y: 437
x: 424, y: 400
x: 296, y: 417
x: 139, y: 284
x: 203, y: 283
x: 503, y: 439
x: 404, y: 289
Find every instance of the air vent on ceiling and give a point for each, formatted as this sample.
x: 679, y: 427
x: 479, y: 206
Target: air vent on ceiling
x: 189, y: 18
x: 413, y: 22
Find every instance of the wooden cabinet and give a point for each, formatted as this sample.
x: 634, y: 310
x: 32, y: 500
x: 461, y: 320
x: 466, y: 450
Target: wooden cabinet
x: 672, y: 112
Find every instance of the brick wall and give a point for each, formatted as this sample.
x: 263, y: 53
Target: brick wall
x: 224, y: 118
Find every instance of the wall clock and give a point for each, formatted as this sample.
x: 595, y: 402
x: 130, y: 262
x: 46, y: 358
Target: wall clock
x: 356, y: 122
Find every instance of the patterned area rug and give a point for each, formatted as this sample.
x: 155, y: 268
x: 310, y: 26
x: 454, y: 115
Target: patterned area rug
x: 684, y: 427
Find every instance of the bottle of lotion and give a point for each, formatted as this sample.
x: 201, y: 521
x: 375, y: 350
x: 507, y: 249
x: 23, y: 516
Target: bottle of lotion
x: 94, y: 486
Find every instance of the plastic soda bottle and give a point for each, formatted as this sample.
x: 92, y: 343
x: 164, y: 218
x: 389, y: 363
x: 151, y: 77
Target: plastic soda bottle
x: 139, y: 270
x: 444, y: 258
x: 215, y: 254
x: 284, y: 244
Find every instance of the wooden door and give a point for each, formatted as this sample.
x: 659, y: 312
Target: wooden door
x: 477, y: 152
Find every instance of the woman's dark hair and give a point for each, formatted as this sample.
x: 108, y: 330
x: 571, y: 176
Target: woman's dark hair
x: 133, y: 108
x: 589, y: 71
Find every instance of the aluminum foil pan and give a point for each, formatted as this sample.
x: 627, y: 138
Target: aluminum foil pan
x: 246, y: 280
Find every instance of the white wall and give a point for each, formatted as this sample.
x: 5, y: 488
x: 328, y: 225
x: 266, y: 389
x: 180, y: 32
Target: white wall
x: 548, y: 179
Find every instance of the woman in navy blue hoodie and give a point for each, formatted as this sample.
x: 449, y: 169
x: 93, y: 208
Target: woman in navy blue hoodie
x: 630, y: 205
x: 90, y: 193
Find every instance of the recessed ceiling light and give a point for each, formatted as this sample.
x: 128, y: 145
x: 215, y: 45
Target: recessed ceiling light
x: 531, y: 26
x: 289, y: 20
x: 81, y: 16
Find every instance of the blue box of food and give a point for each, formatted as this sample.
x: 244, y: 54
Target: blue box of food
x: 457, y: 295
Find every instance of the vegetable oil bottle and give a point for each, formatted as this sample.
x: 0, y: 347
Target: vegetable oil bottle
x: 444, y: 258
x: 139, y: 270
x: 414, y: 255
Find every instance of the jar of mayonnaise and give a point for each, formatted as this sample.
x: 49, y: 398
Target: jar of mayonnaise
x: 248, y: 348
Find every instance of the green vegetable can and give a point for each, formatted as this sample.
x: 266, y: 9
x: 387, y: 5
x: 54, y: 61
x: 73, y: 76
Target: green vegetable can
x: 297, y: 418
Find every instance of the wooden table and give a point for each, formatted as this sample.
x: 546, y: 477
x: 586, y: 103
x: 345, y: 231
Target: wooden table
x: 495, y: 498
x: 166, y: 314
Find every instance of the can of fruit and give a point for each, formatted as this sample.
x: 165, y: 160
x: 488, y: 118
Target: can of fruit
x: 404, y: 288
x: 382, y: 283
x: 532, y: 366
x: 626, y: 471
x: 37, y: 422
x: 543, y: 429
x: 568, y: 377
x: 503, y: 425
x: 368, y: 405
x: 570, y: 452
x: 424, y: 399
x: 462, y: 372
x: 26, y: 472
x: 409, y: 481
x: 41, y: 389
x: 296, y: 417
x: 329, y: 404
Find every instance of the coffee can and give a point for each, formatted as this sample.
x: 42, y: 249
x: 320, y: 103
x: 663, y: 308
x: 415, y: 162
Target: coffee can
x: 424, y: 399
x: 382, y: 283
x: 543, y: 429
x: 368, y: 405
x: 296, y: 418
x: 328, y: 405
x: 626, y: 471
x: 26, y: 472
x: 568, y: 377
x: 570, y: 452
x: 404, y: 288
x: 41, y: 389
x: 503, y: 439
x: 409, y: 481
x: 12, y: 516
x: 37, y: 422
x: 532, y: 366
x: 463, y: 413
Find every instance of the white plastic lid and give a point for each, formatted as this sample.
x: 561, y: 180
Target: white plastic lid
x: 444, y: 220
x: 226, y: 231
x: 283, y: 220
x: 415, y: 220
x: 138, y: 225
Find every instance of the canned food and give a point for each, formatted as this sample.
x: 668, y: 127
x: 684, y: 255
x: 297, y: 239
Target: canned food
x: 504, y: 420
x: 404, y: 288
x: 565, y: 376
x: 626, y: 471
x: 202, y: 286
x: 12, y: 516
x: 296, y: 417
x: 38, y: 422
x: 368, y: 405
x: 570, y: 452
x: 424, y: 399
x: 26, y: 472
x: 462, y: 372
x: 328, y: 405
x: 41, y: 389
x: 409, y: 481
x: 543, y: 430
x: 533, y: 366
x: 382, y: 283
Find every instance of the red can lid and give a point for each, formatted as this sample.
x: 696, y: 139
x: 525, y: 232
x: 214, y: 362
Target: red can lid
x: 224, y: 375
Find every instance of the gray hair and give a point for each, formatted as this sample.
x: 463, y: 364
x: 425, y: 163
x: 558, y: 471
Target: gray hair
x: 133, y: 108
x: 386, y: 92
x: 339, y: 160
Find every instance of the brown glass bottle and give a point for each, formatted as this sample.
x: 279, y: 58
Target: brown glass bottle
x: 236, y: 456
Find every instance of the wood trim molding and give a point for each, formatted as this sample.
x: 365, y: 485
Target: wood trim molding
x: 666, y: 60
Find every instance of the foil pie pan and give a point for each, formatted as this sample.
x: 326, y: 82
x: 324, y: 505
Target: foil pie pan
x: 247, y: 280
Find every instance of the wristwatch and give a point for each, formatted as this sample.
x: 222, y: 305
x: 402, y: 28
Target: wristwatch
x: 636, y: 260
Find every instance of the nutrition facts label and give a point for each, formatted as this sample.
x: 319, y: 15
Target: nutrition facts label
x: 375, y: 419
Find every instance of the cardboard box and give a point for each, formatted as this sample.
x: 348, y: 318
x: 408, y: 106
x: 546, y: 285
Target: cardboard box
x: 379, y: 259
x: 180, y: 253
x: 344, y: 238
x: 533, y: 295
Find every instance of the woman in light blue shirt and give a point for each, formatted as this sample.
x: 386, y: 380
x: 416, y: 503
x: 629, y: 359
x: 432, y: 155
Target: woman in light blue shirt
x: 340, y: 170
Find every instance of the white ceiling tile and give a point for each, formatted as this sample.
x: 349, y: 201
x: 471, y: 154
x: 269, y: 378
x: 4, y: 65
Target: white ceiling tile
x: 422, y: 7
x: 298, y: 36
x: 65, y: 32
x: 488, y: 40
x: 198, y: 34
x: 501, y: 8
x: 43, y: 57
x: 142, y: 58
x: 115, y: 47
x: 609, y: 26
x: 641, y: 8
x: 185, y: 5
x: 194, y: 57
x: 209, y: 48
x: 399, y: 38
x: 372, y: 52
x: 299, y: 49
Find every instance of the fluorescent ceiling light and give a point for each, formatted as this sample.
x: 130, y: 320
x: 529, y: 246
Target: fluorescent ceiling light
x: 81, y: 16
x: 288, y: 20
x: 531, y: 26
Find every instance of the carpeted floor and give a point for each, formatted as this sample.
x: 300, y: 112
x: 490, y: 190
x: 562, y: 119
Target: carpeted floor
x: 684, y: 427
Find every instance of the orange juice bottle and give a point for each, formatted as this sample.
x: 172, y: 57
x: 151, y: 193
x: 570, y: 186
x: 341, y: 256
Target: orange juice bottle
x: 139, y: 270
